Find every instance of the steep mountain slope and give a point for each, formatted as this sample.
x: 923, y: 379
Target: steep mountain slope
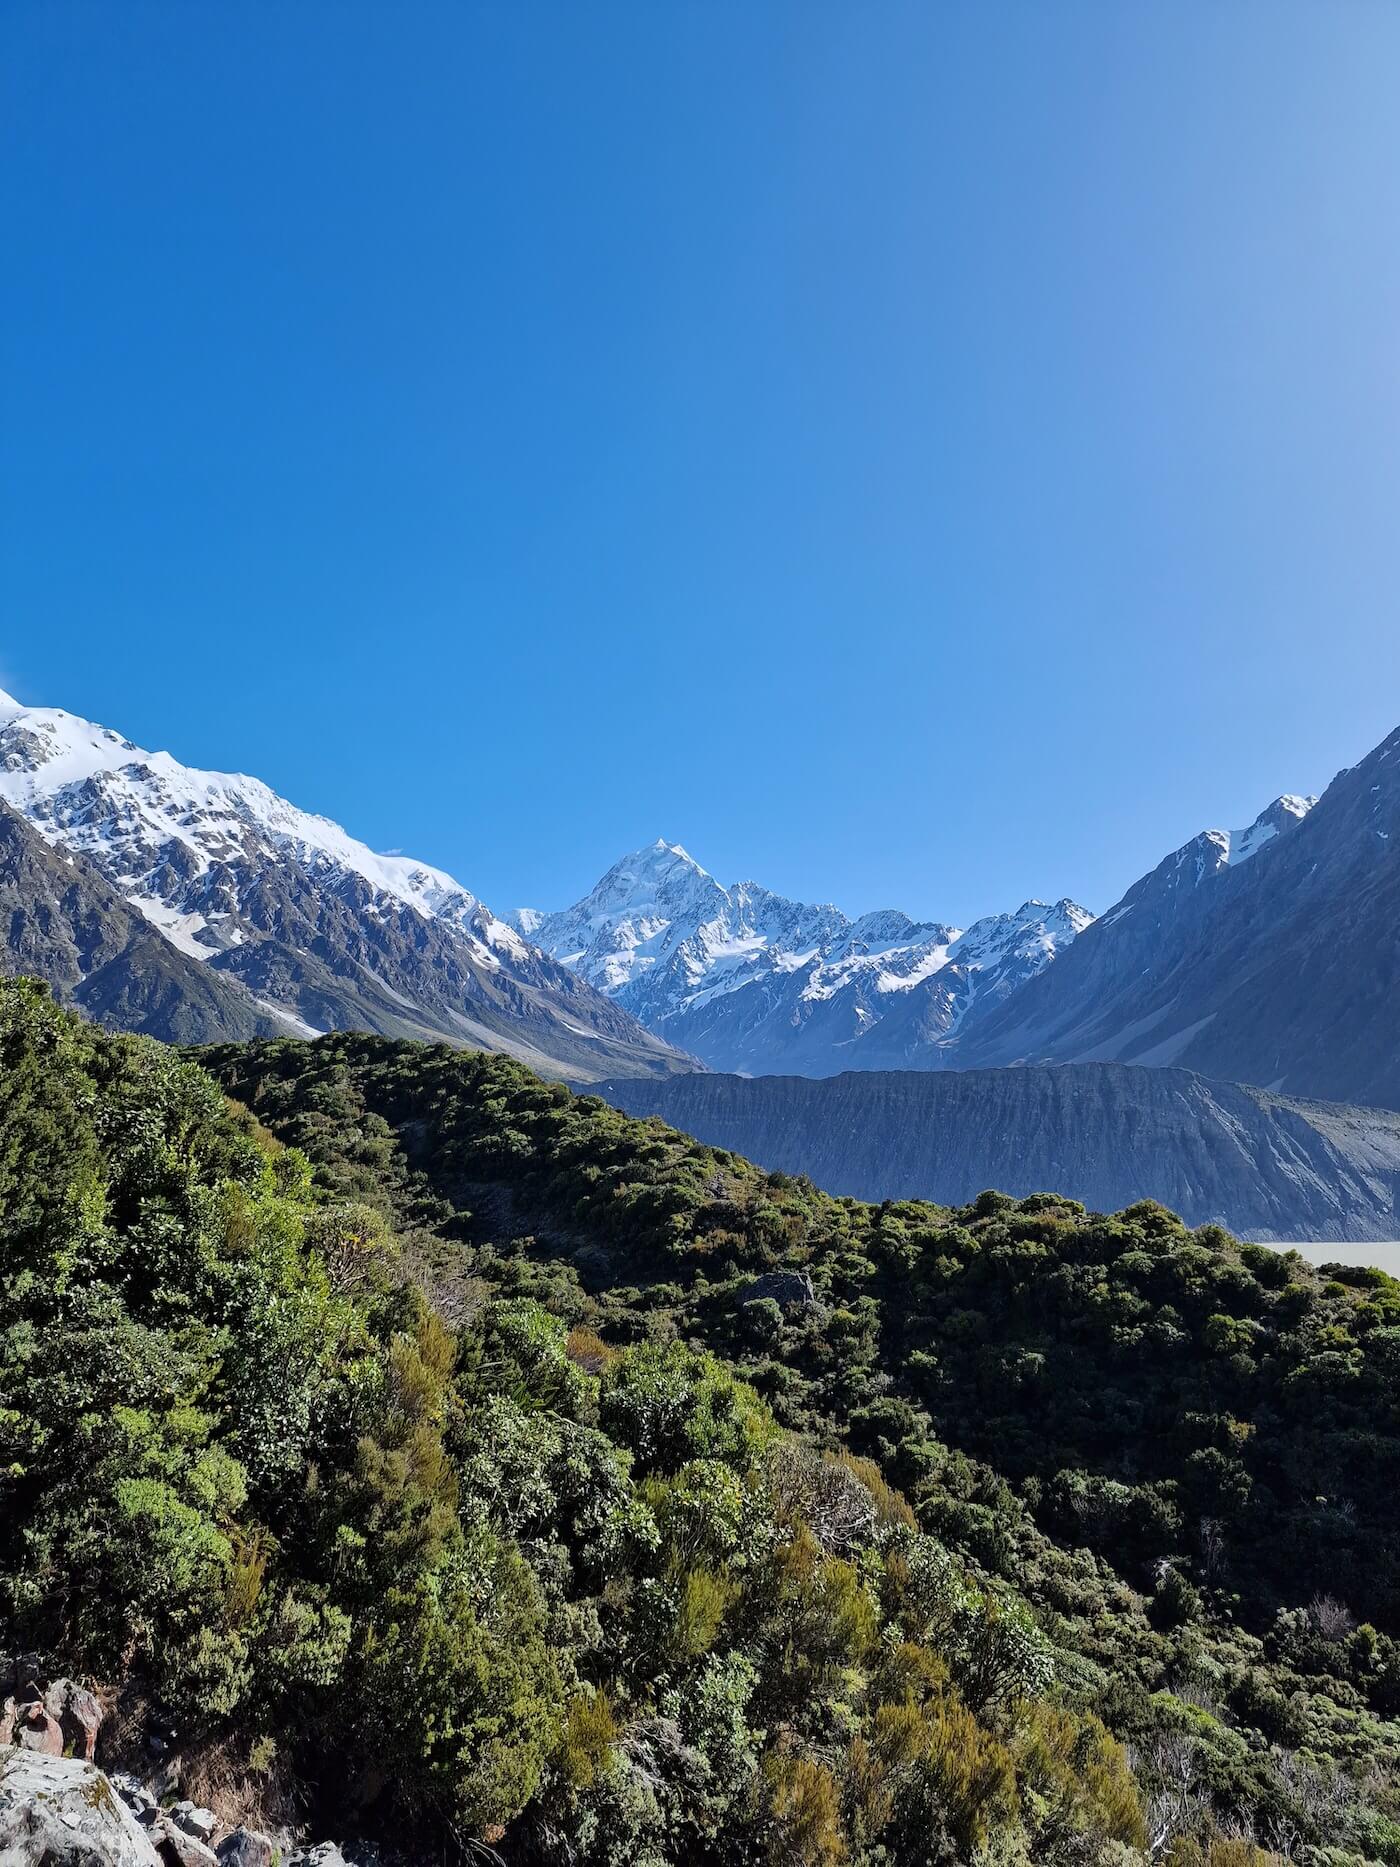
x: 61, y: 922
x: 1281, y: 970
x: 1103, y: 1133
x: 748, y: 980
x: 319, y: 929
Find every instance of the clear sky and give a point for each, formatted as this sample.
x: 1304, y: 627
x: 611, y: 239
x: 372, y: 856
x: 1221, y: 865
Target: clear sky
x: 922, y: 455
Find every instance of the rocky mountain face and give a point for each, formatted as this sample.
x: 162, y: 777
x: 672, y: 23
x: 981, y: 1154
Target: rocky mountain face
x: 1265, y: 1166
x: 750, y: 981
x: 1282, y: 969
x: 256, y: 903
x: 62, y: 922
x: 1269, y: 955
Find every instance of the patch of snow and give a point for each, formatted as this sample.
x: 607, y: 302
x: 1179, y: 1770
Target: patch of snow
x: 298, y: 1026
x: 577, y: 1029
x: 1281, y: 815
x: 179, y: 929
x: 923, y: 964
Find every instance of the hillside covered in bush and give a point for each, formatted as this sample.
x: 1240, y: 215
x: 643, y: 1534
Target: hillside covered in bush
x: 1181, y: 1452
x: 423, y: 1443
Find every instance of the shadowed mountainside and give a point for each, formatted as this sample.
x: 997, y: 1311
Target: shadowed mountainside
x: 1108, y: 1134
x: 1280, y: 970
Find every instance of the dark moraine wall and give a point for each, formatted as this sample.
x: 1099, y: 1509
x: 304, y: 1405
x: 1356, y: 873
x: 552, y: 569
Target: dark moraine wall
x: 1266, y: 1166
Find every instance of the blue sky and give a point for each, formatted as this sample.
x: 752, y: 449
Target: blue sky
x: 923, y: 454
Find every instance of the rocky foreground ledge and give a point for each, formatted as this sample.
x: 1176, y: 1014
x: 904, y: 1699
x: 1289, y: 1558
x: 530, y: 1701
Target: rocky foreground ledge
x: 65, y: 1812
x: 58, y: 1809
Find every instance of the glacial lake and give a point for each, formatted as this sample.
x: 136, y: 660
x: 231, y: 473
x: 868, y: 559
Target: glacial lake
x: 1385, y: 1256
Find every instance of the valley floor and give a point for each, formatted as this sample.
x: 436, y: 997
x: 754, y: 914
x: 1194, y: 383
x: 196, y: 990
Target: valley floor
x: 1383, y: 1256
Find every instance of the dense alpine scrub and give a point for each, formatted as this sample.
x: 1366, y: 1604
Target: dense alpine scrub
x: 492, y: 1578
x: 1182, y: 1453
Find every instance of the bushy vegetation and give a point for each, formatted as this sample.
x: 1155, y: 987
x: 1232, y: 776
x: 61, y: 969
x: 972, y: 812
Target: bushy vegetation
x: 464, y: 1455
x: 495, y: 1577
x: 1171, y: 1457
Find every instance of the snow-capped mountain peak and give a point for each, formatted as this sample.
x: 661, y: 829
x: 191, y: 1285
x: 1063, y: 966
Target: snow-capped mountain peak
x: 650, y: 882
x: 317, y: 927
x: 141, y: 813
x: 1208, y: 855
x: 1034, y: 928
x: 1281, y: 815
x: 1264, y: 956
x: 746, y: 978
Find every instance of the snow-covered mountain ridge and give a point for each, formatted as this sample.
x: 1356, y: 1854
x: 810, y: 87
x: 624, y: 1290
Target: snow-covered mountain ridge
x: 318, y: 928
x: 752, y: 982
x: 141, y: 815
x: 747, y: 979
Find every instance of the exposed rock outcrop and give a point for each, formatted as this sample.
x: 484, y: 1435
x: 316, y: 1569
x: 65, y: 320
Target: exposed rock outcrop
x: 61, y: 1718
x: 57, y: 1809
x: 178, y: 1848
x: 63, y: 1812
x: 788, y: 1289
x: 245, y: 1848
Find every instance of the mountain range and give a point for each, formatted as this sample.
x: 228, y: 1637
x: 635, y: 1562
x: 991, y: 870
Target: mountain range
x: 194, y: 905
x: 201, y: 905
x: 1265, y: 955
x: 1268, y: 956
x: 748, y: 980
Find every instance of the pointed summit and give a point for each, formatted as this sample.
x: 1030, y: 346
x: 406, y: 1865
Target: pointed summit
x: 1283, y: 814
x: 663, y: 854
x: 657, y: 881
x: 755, y: 981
